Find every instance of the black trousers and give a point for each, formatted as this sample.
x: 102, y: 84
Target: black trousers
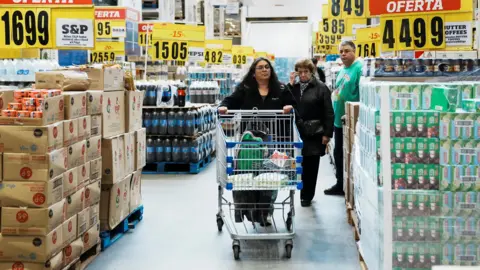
x: 338, y: 155
x: 310, y: 166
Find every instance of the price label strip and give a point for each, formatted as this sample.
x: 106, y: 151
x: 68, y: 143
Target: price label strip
x: 169, y: 50
x: 213, y: 56
x: 413, y: 33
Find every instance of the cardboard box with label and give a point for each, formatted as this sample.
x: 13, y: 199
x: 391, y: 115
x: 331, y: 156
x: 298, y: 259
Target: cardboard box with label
x: 91, y: 237
x: 136, y: 190
x: 6, y: 96
x: 75, y: 104
x: 106, y: 78
x: 94, y: 216
x: 96, y: 168
x: 34, y: 167
x: 95, y: 102
x: 83, y: 174
x: 114, y: 205
x: 70, y: 182
x: 96, y: 128
x: 130, y: 152
x: 113, y: 114
x: 94, y: 148
x: 52, y: 109
x: 69, y: 229
x: 44, y: 247
x: 92, y: 193
x: 82, y: 220
x: 70, y: 132
x: 66, y: 80
x: 140, y: 149
x: 55, y: 263
x: 75, y: 203
x: 77, y: 154
x: 32, y: 221
x: 133, y: 117
x: 113, y: 160
x: 73, y: 251
x: 84, y: 127
x: 31, y: 140
x: 31, y: 194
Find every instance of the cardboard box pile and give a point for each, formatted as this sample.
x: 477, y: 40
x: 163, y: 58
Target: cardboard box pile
x: 49, y: 199
x: 434, y: 155
x: 349, y: 130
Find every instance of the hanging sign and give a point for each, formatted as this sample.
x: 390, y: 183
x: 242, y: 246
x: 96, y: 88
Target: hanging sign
x: 171, y: 41
x: 110, y: 22
x: 368, y: 42
x: 107, y: 51
x: 145, y: 33
x: 240, y: 54
x: 403, y: 7
x: 215, y: 50
x: 46, y: 24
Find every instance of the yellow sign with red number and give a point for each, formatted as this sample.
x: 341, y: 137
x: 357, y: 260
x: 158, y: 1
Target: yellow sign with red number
x: 107, y: 51
x: 368, y: 42
x: 171, y: 41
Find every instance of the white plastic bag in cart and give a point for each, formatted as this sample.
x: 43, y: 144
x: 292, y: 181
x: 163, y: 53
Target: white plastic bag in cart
x: 241, y: 180
x: 271, y: 180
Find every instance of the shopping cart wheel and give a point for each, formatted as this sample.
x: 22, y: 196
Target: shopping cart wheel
x: 219, y: 223
x: 288, y: 250
x: 289, y: 222
x: 236, y: 252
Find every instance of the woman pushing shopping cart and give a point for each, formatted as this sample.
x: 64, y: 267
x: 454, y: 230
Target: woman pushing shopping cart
x: 258, y: 154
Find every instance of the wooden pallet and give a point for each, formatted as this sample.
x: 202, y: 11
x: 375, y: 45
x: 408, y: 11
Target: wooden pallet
x: 108, y: 238
x: 86, y: 259
x: 349, y: 213
x: 178, y: 167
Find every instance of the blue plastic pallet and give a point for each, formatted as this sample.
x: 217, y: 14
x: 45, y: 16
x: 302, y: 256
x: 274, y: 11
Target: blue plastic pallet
x: 177, y: 167
x: 108, y: 238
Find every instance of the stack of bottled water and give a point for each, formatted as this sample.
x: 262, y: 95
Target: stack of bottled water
x: 204, y: 92
x: 23, y: 70
x: 220, y: 75
x: 180, y: 135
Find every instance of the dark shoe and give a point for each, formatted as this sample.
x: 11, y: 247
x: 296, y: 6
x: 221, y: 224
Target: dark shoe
x: 335, y: 191
x: 306, y: 203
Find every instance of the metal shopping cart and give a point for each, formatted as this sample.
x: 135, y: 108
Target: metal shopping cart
x: 258, y: 155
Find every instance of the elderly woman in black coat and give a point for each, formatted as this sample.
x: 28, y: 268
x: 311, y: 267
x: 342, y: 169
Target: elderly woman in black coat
x: 314, y: 106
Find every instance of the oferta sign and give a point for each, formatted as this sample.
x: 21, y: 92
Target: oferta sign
x: 393, y: 7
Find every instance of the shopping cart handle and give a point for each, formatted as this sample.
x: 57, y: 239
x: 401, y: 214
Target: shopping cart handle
x: 256, y: 111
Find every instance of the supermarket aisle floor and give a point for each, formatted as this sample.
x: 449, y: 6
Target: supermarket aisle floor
x: 179, y: 232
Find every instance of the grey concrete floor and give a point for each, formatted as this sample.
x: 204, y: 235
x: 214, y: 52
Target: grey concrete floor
x: 179, y: 231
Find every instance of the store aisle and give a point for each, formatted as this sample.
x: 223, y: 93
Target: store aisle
x: 179, y: 231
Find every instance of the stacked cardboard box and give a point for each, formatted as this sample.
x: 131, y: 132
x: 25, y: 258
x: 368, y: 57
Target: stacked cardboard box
x: 118, y: 124
x: 349, y: 130
x: 47, y: 195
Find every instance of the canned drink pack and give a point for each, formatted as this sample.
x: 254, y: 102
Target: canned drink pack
x: 23, y: 114
x: 35, y: 94
x: 15, y: 106
x: 9, y: 113
x: 20, y: 94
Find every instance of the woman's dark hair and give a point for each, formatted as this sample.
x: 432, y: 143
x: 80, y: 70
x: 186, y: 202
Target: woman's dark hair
x: 249, y: 80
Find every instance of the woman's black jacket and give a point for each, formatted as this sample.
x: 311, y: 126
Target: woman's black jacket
x: 314, y: 104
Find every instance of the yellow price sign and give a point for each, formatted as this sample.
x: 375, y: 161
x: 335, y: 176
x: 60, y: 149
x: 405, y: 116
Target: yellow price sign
x: 368, y: 49
x: 413, y: 33
x: 355, y: 8
x: 145, y: 34
x: 168, y: 31
x: 101, y: 56
x: 334, y: 26
x: 110, y: 22
x: 213, y: 56
x: 239, y: 59
x: 240, y: 54
x: 328, y: 39
x: 335, y: 8
x: 169, y: 50
x: 25, y: 28
x: 368, y: 34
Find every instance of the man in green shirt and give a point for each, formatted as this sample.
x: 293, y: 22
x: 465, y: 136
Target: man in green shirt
x: 346, y: 89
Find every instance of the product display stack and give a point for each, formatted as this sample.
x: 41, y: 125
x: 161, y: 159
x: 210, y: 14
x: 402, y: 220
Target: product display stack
x: 49, y: 198
x: 349, y: 130
x: 416, y: 174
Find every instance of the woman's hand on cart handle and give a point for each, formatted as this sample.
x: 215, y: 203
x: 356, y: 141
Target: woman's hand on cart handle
x: 287, y: 109
x: 222, y: 110
x: 325, y: 140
